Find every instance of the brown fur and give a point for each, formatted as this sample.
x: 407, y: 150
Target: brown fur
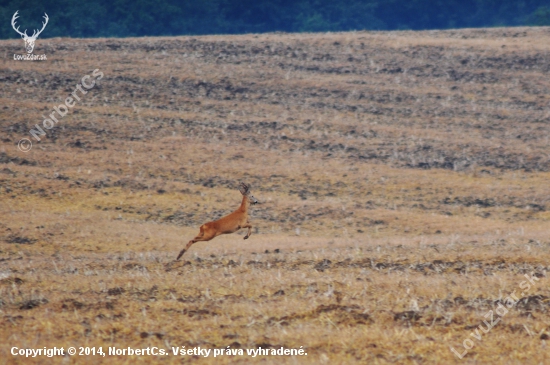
x: 229, y: 224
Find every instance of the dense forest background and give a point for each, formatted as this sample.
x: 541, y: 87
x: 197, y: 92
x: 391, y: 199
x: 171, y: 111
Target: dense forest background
x: 130, y: 18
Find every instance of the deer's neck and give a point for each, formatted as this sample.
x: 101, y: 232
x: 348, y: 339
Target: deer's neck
x: 244, y: 205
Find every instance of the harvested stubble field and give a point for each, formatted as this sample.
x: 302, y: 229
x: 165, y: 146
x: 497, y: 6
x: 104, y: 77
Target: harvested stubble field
x: 403, y: 178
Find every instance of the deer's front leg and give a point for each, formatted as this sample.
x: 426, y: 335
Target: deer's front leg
x: 249, y: 230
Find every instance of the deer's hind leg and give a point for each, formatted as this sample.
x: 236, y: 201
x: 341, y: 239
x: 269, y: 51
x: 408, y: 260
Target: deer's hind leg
x: 201, y: 237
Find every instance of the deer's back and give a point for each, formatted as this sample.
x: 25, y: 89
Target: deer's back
x: 230, y: 223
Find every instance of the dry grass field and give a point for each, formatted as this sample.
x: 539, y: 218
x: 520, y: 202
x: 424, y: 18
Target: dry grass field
x: 403, y: 179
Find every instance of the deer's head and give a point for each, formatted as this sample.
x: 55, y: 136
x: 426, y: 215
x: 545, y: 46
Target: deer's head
x: 245, y: 190
x: 29, y: 41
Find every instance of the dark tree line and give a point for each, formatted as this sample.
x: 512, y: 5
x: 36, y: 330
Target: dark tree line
x: 128, y: 18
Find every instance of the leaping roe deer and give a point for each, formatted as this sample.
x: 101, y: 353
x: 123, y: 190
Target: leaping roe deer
x: 229, y: 224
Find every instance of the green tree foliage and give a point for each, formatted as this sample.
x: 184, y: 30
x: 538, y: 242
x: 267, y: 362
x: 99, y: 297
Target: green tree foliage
x: 541, y: 16
x: 130, y: 18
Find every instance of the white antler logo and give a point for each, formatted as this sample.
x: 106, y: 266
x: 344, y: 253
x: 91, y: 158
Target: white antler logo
x: 29, y: 41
